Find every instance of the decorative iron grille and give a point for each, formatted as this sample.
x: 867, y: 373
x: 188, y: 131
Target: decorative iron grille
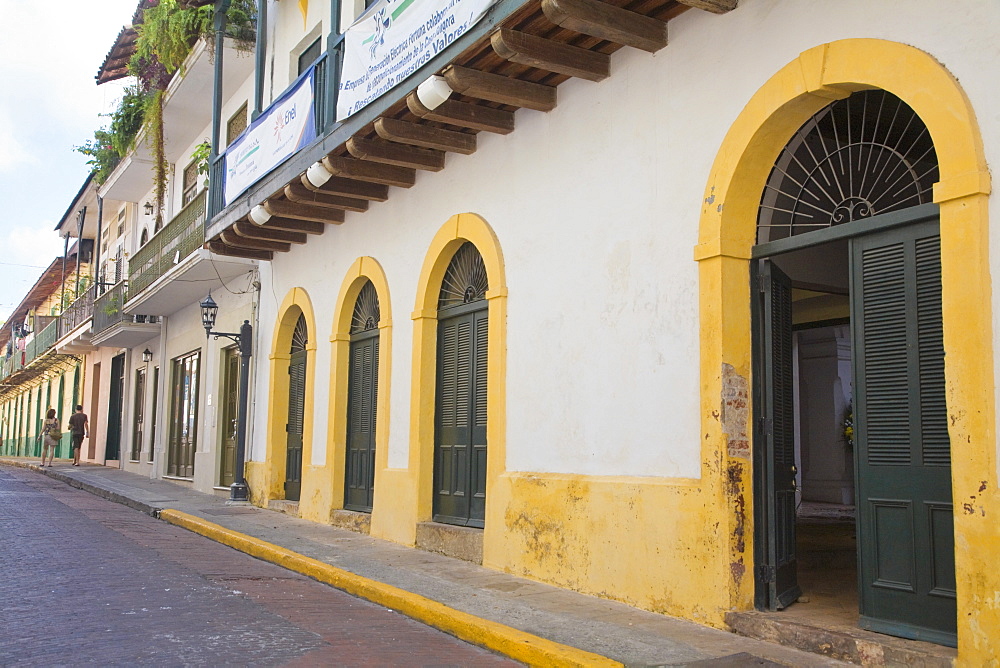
x: 862, y: 156
x: 465, y: 280
x: 366, y: 310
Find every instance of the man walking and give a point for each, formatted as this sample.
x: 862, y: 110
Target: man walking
x: 79, y: 427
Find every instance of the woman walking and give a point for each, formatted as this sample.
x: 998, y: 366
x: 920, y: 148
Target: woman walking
x: 50, y: 436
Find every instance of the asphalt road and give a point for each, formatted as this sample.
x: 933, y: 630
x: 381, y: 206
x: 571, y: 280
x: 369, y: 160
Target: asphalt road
x: 88, y: 581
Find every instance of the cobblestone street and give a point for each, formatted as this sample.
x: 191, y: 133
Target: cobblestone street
x: 90, y: 581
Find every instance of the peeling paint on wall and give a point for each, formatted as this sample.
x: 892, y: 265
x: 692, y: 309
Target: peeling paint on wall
x: 735, y: 408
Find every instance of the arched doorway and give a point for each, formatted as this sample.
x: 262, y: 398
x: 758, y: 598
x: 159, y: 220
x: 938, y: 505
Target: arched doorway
x: 848, y: 331
x: 461, y: 391
x: 362, y: 401
x: 296, y: 408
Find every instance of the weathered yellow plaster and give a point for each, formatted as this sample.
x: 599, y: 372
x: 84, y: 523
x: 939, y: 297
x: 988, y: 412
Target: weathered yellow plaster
x: 271, y: 482
x: 363, y: 269
x: 411, y: 498
x: 727, y: 222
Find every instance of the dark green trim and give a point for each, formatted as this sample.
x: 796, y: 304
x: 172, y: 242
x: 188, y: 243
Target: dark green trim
x: 816, y: 324
x: 856, y: 228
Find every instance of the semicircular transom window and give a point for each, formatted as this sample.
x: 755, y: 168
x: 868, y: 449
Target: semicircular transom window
x: 465, y: 280
x: 861, y: 156
x: 300, y: 335
x: 366, y: 311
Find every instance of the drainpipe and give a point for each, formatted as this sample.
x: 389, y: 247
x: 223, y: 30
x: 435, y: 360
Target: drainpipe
x: 96, y: 262
x: 221, y: 7
x: 62, y: 291
x: 80, y: 220
x: 260, y: 59
x: 334, y: 50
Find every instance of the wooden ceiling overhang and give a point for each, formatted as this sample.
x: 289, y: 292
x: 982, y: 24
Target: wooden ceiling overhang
x: 518, y: 64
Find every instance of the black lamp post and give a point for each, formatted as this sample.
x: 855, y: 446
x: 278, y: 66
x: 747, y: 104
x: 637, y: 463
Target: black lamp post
x: 238, y: 491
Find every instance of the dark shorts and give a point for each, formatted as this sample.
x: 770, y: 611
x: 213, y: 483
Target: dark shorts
x: 77, y: 440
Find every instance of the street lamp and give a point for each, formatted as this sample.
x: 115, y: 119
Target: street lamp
x: 238, y: 491
x: 147, y: 356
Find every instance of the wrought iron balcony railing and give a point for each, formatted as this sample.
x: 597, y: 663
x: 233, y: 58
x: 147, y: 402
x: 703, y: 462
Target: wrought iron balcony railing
x: 324, y: 104
x: 42, y: 341
x: 77, y: 313
x: 178, y: 239
x: 109, y: 307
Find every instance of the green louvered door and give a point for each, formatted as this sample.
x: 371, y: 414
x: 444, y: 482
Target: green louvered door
x: 773, y: 329
x: 905, y: 523
x: 460, y: 429
x: 362, y: 394
x: 296, y: 411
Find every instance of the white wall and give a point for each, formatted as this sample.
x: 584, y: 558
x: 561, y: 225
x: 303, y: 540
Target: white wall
x: 596, y: 206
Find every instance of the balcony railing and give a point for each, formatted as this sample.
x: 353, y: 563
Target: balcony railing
x: 43, y: 340
x: 324, y: 106
x: 108, y: 308
x: 181, y: 237
x: 77, y: 313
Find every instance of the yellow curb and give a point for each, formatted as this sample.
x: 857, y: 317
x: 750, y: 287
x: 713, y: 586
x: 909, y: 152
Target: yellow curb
x: 518, y: 645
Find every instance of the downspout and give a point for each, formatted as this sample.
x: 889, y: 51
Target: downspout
x: 80, y: 221
x: 221, y: 7
x: 97, y: 246
x: 260, y: 59
x: 62, y: 283
x: 334, y: 50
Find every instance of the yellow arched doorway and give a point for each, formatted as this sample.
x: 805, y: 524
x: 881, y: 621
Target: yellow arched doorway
x: 727, y: 233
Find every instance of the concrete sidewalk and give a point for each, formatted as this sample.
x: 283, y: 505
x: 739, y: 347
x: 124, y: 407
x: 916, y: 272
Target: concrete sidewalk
x: 503, y: 612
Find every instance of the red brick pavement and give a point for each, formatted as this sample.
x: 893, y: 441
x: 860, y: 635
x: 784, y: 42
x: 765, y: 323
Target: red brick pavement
x: 89, y: 581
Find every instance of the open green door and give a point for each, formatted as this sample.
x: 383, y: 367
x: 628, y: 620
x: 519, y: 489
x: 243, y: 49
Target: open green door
x: 776, y: 560
x: 903, y: 456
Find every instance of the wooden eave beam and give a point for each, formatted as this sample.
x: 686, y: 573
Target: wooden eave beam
x: 544, y: 54
x: 505, y: 90
x: 714, y: 6
x: 296, y: 211
x: 464, y: 115
x: 388, y: 153
x: 425, y: 136
x: 604, y: 21
x: 290, y: 225
x: 338, y: 185
x: 245, y: 228
x: 230, y: 238
x: 296, y: 192
x: 220, y: 248
x: 363, y: 170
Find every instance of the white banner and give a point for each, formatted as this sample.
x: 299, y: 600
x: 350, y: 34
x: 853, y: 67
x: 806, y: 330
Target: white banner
x: 284, y: 128
x: 393, y: 39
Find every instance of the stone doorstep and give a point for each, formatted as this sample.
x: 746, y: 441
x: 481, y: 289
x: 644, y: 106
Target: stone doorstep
x: 858, y: 646
x: 351, y: 520
x: 284, y: 506
x: 452, y: 541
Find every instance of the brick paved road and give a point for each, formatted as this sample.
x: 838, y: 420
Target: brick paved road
x: 84, y: 580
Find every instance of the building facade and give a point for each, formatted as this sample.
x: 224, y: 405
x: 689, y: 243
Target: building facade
x: 592, y: 308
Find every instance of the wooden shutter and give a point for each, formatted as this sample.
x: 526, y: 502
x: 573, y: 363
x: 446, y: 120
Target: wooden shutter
x: 777, y: 429
x: 362, y: 395
x: 907, y: 576
x: 296, y: 415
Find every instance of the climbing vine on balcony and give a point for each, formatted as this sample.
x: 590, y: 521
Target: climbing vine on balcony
x: 166, y: 36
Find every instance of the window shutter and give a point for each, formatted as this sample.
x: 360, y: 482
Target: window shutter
x: 886, y: 407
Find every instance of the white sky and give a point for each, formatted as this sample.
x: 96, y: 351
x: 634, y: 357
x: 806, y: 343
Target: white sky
x: 49, y: 103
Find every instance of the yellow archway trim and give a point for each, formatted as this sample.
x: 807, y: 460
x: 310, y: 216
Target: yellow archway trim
x: 267, y: 481
x: 415, y: 504
x: 328, y: 494
x: 726, y: 235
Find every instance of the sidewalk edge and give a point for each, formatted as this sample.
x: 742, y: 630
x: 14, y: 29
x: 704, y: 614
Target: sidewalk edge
x: 518, y: 645
x: 85, y: 486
